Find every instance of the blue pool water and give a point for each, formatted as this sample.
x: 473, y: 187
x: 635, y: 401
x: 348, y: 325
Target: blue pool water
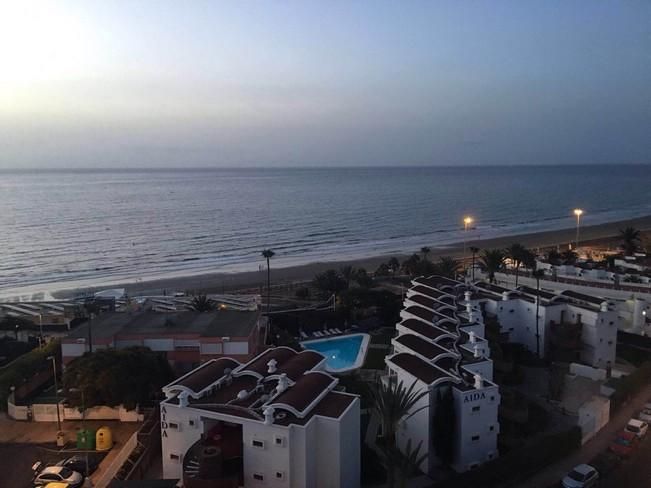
x: 340, y: 352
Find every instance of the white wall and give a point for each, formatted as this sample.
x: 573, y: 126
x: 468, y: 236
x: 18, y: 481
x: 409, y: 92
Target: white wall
x: 236, y: 348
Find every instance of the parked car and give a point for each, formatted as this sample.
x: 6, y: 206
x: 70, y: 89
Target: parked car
x: 61, y: 474
x: 78, y: 464
x: 582, y: 476
x: 645, y: 415
x: 625, y: 444
x: 56, y: 484
x: 637, y: 427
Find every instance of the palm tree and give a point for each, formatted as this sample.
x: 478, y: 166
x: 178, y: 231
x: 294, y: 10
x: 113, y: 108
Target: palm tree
x: 348, y: 274
x: 553, y: 256
x: 410, y: 265
x: 393, y: 403
x: 493, y: 261
x: 569, y: 257
x: 474, y: 250
x: 447, y: 267
x: 516, y: 252
x: 538, y: 274
x: 409, y: 463
x: 268, y: 254
x: 394, y: 264
x: 630, y: 240
x: 201, y: 303
x: 425, y: 250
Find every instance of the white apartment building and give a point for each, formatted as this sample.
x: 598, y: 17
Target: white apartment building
x: 595, y: 320
x: 440, y: 348
x: 275, y: 421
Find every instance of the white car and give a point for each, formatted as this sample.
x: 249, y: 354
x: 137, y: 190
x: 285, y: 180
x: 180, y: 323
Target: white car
x: 637, y: 427
x: 645, y: 415
x: 50, y: 474
x: 582, y: 476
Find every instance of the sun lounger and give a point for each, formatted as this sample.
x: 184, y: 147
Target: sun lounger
x: 317, y: 333
x: 303, y: 335
x: 338, y: 331
x: 333, y: 331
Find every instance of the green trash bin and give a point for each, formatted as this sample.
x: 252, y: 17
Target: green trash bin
x: 86, y: 439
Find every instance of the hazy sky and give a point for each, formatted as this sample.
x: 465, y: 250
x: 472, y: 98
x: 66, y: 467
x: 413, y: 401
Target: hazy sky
x: 193, y: 83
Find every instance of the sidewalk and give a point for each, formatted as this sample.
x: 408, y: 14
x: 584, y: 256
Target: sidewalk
x: 552, y: 474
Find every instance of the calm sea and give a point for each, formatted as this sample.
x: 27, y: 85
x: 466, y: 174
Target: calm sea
x: 75, y: 228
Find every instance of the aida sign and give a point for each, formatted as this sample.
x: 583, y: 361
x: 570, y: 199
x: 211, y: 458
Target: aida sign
x: 474, y: 397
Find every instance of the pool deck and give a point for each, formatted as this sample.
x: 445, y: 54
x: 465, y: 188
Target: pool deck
x: 361, y: 353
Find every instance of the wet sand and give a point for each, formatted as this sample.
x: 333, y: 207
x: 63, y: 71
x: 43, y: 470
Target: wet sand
x: 602, y: 234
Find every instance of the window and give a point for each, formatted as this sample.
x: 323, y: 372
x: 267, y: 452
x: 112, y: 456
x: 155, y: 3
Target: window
x: 491, y: 428
x: 610, y: 343
x: 280, y: 475
x: 175, y: 457
x: 192, y: 422
x: 173, y: 425
x: 475, y: 438
x: 257, y: 443
x: 258, y: 477
x: 279, y: 441
x: 476, y: 409
x: 492, y: 398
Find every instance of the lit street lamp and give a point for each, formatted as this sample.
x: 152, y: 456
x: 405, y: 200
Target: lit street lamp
x: 466, y: 222
x: 578, y: 212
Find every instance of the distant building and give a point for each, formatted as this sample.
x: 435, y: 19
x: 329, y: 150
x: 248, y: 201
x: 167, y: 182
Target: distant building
x: 187, y: 338
x: 576, y: 326
x: 276, y: 421
x: 440, y: 348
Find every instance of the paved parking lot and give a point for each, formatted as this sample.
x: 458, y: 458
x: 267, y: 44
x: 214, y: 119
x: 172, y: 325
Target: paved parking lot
x: 633, y: 472
x: 16, y: 462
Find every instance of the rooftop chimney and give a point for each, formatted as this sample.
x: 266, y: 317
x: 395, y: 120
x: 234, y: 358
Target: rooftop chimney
x: 271, y: 366
x: 283, y: 383
x: 268, y: 415
x: 473, y: 339
x: 477, y: 354
x: 478, y: 381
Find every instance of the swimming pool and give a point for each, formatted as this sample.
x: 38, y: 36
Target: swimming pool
x: 343, y: 353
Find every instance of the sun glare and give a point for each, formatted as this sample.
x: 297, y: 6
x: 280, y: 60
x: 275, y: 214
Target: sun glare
x: 40, y: 44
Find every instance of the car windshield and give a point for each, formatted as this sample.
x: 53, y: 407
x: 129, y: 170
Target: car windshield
x: 576, y: 476
x: 622, y: 441
x: 65, y: 473
x: 633, y: 428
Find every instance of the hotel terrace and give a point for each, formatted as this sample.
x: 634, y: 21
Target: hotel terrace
x: 275, y: 421
x: 440, y: 348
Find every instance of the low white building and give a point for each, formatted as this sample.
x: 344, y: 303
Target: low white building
x: 563, y: 319
x: 440, y: 348
x: 276, y: 421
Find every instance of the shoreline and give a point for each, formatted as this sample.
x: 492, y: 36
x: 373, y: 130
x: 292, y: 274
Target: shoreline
x: 221, y: 282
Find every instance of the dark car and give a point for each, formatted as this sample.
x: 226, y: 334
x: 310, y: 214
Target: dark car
x: 78, y: 463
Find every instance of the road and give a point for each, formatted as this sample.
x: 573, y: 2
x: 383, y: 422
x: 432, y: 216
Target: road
x: 635, y: 471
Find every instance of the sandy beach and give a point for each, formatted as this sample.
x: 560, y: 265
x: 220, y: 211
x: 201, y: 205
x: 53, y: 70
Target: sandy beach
x: 602, y: 234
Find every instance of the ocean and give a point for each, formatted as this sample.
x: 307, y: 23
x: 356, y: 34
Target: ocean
x: 62, y: 229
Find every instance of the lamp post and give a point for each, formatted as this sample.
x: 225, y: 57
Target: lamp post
x: 56, y: 389
x: 40, y: 329
x: 578, y: 212
x: 466, y: 222
x: 87, y: 480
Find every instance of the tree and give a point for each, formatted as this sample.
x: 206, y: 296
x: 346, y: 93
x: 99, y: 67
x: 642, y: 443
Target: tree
x: 348, y: 274
x: 553, y: 257
x: 115, y: 377
x: 393, y: 403
x: 474, y: 250
x: 447, y: 266
x: 383, y: 270
x: 408, y: 464
x: 329, y: 282
x: 201, y: 303
x: 529, y: 260
x: 516, y: 252
x: 493, y: 261
x: 538, y: 274
x: 362, y: 278
x: 268, y: 254
x: 394, y: 264
x: 410, y: 265
x: 631, y: 238
x: 569, y: 257
x: 425, y: 250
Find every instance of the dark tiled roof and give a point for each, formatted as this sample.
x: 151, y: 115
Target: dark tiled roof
x: 430, y: 303
x: 437, y: 281
x: 227, y: 392
x: 222, y: 323
x: 421, y: 346
x: 207, y: 374
x: 332, y: 405
x: 259, y: 365
x: 430, y: 331
x: 305, y: 390
x: 415, y: 366
x: 423, y: 290
x: 584, y: 298
x: 304, y: 361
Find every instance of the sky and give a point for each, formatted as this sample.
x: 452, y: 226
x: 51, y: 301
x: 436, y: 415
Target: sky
x: 159, y: 83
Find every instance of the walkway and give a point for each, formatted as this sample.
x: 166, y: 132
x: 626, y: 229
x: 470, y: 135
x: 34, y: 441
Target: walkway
x: 551, y: 475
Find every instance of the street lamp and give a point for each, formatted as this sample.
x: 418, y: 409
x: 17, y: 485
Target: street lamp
x: 56, y: 390
x: 466, y: 222
x: 578, y: 212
